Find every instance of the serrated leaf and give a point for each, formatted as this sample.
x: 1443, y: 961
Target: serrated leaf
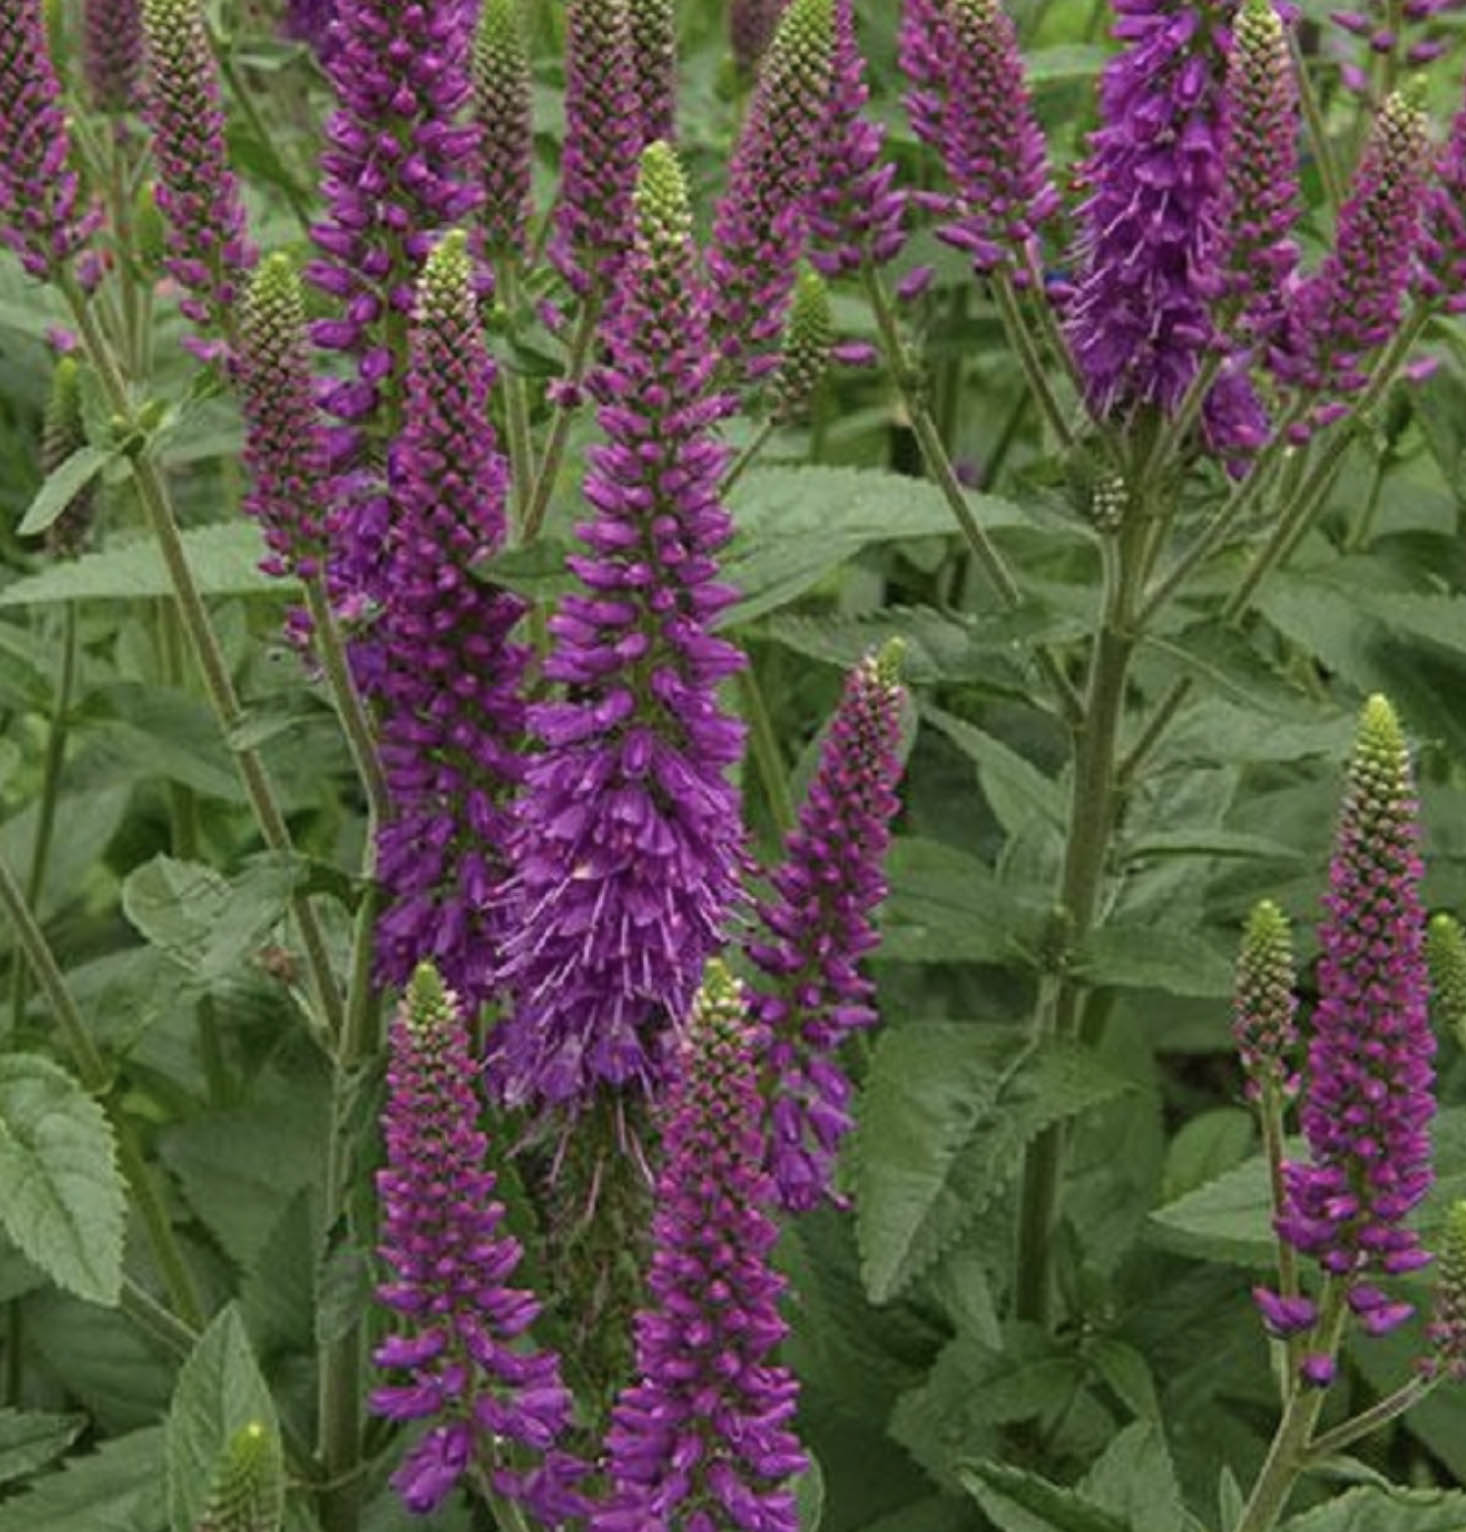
x: 62, y: 485
x: 1023, y: 1502
x: 220, y: 1391
x: 943, y: 906
x: 1017, y: 789
x: 1206, y: 1147
x: 224, y: 558
x: 1135, y: 1481
x: 1372, y: 1510
x: 118, y: 1488
x: 29, y: 1439
x: 1143, y: 955
x: 1223, y: 659
x: 61, y: 1198
x: 809, y: 1497
x: 1127, y: 1373
x: 1228, y: 1219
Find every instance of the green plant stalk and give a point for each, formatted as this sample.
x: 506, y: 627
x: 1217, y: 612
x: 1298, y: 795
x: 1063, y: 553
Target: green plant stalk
x: 746, y: 459
x: 153, y: 492
x: 97, y: 1079
x: 939, y: 465
x: 1270, y: 1118
x: 1020, y: 338
x: 549, y: 468
x: 765, y: 744
x: 50, y: 794
x: 1287, y: 1456
x: 1323, y: 150
x: 1367, y: 1422
x: 516, y: 403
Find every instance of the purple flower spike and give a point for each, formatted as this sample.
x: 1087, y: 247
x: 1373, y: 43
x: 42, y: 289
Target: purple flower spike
x: 751, y: 25
x: 502, y: 103
x: 593, y: 225
x: 209, y: 252
x: 112, y: 51
x: 1139, y: 320
x: 923, y: 47
x: 1264, y: 1007
x: 1443, y: 242
x: 759, y: 227
x: 457, y: 1349
x: 855, y: 214
x: 702, y: 1441
x: 1368, y: 1103
x: 1446, y: 1331
x: 41, y: 215
x: 1261, y: 156
x: 654, y: 65
x: 811, y: 995
x: 284, y: 447
x: 628, y: 848
x: 1345, y: 312
x: 309, y: 22
x: 986, y: 134
x: 1284, y: 1316
x: 449, y: 678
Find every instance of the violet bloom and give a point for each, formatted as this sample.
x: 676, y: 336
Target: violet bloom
x: 112, y: 53
x: 924, y: 45
x: 1261, y: 158
x: 1392, y: 35
x: 702, y: 1441
x: 284, y: 448
x: 810, y: 994
x: 42, y: 215
x: 628, y: 848
x: 1368, y: 1103
x: 759, y: 226
x: 449, y: 678
x: 1443, y: 240
x: 751, y: 25
x: 593, y: 223
x: 503, y: 108
x: 654, y: 67
x: 1264, y: 1006
x: 986, y: 133
x: 1351, y: 306
x: 459, y: 1350
x: 209, y: 253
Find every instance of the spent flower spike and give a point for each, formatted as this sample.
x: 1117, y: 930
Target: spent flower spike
x: 43, y: 217
x: 702, y: 1440
x: 503, y: 107
x: 654, y: 66
x: 209, y: 253
x: 1265, y: 1007
x: 458, y: 1348
x: 628, y: 850
x: 1445, y: 952
x: 810, y: 995
x: 760, y: 223
x: 1368, y: 1101
x: 448, y: 679
x: 1446, y: 1331
x: 112, y: 53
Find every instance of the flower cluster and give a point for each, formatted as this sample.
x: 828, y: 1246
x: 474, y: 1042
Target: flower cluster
x: 1368, y: 1102
x: 503, y: 107
x: 42, y: 215
x: 451, y: 718
x: 703, y: 1435
x: 451, y: 1265
x: 112, y: 43
x: 1264, y: 1007
x: 759, y: 226
x: 654, y: 67
x: 811, y: 995
x: 751, y: 24
x: 309, y: 22
x: 809, y: 337
x: 1443, y: 239
x: 209, y: 252
x: 593, y: 224
x: 1392, y: 35
x: 628, y: 848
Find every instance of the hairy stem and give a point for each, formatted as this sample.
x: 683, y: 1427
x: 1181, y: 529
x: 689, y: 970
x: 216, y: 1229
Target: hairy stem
x: 516, y: 404
x: 1020, y: 338
x: 1270, y: 1116
x: 746, y: 459
x: 549, y: 469
x: 350, y: 708
x: 1367, y: 1422
x: 771, y: 768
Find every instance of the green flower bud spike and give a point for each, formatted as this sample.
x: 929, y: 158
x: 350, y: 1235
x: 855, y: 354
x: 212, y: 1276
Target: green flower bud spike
x: 1445, y: 951
x: 808, y: 336
x: 248, y: 1492
x: 1264, y: 1004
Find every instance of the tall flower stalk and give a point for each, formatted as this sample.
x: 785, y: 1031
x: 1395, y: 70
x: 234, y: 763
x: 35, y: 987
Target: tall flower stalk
x: 503, y: 109
x: 628, y: 850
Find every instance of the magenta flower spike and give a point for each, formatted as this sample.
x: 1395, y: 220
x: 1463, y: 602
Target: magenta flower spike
x: 924, y: 45
x: 43, y: 217
x: 284, y: 447
x: 751, y: 25
x: 810, y: 995
x: 309, y: 22
x: 448, y: 677
x: 1443, y: 240
x: 760, y: 224
x: 702, y: 1440
x: 1352, y: 305
x: 112, y: 53
x: 593, y: 224
x: 1264, y: 1005
x: 1367, y: 1105
x: 457, y: 1351
x: 854, y: 212
x: 1261, y: 158
x: 209, y: 252
x: 503, y: 107
x: 654, y: 65
x: 628, y: 849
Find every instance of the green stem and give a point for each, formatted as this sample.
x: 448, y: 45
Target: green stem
x: 350, y: 708
x: 549, y: 469
x: 516, y: 403
x: 1288, y: 1453
x: 162, y: 1325
x: 1270, y: 1116
x: 746, y: 459
x: 1323, y: 150
x: 245, y: 101
x: 50, y: 793
x: 939, y: 465
x: 1021, y: 340
x: 771, y: 769
x: 219, y: 685
x: 1406, y: 1397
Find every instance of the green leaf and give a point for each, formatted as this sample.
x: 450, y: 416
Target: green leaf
x: 1228, y: 1219
x: 1127, y: 1373
x: 1017, y: 790
x: 61, y: 1197
x: 1064, y: 62
x: 1206, y: 1147
x: 224, y: 558
x: 1207, y: 843
x: 944, y: 906
x: 1136, y: 1482
x: 1142, y: 955
x: 29, y: 1439
x: 1372, y: 1510
x: 220, y: 1391
x: 809, y: 1497
x: 1230, y: 1502
x: 118, y: 1488
x: 1224, y: 660
x: 944, y: 1118
x: 1023, y: 1502
x: 63, y: 484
